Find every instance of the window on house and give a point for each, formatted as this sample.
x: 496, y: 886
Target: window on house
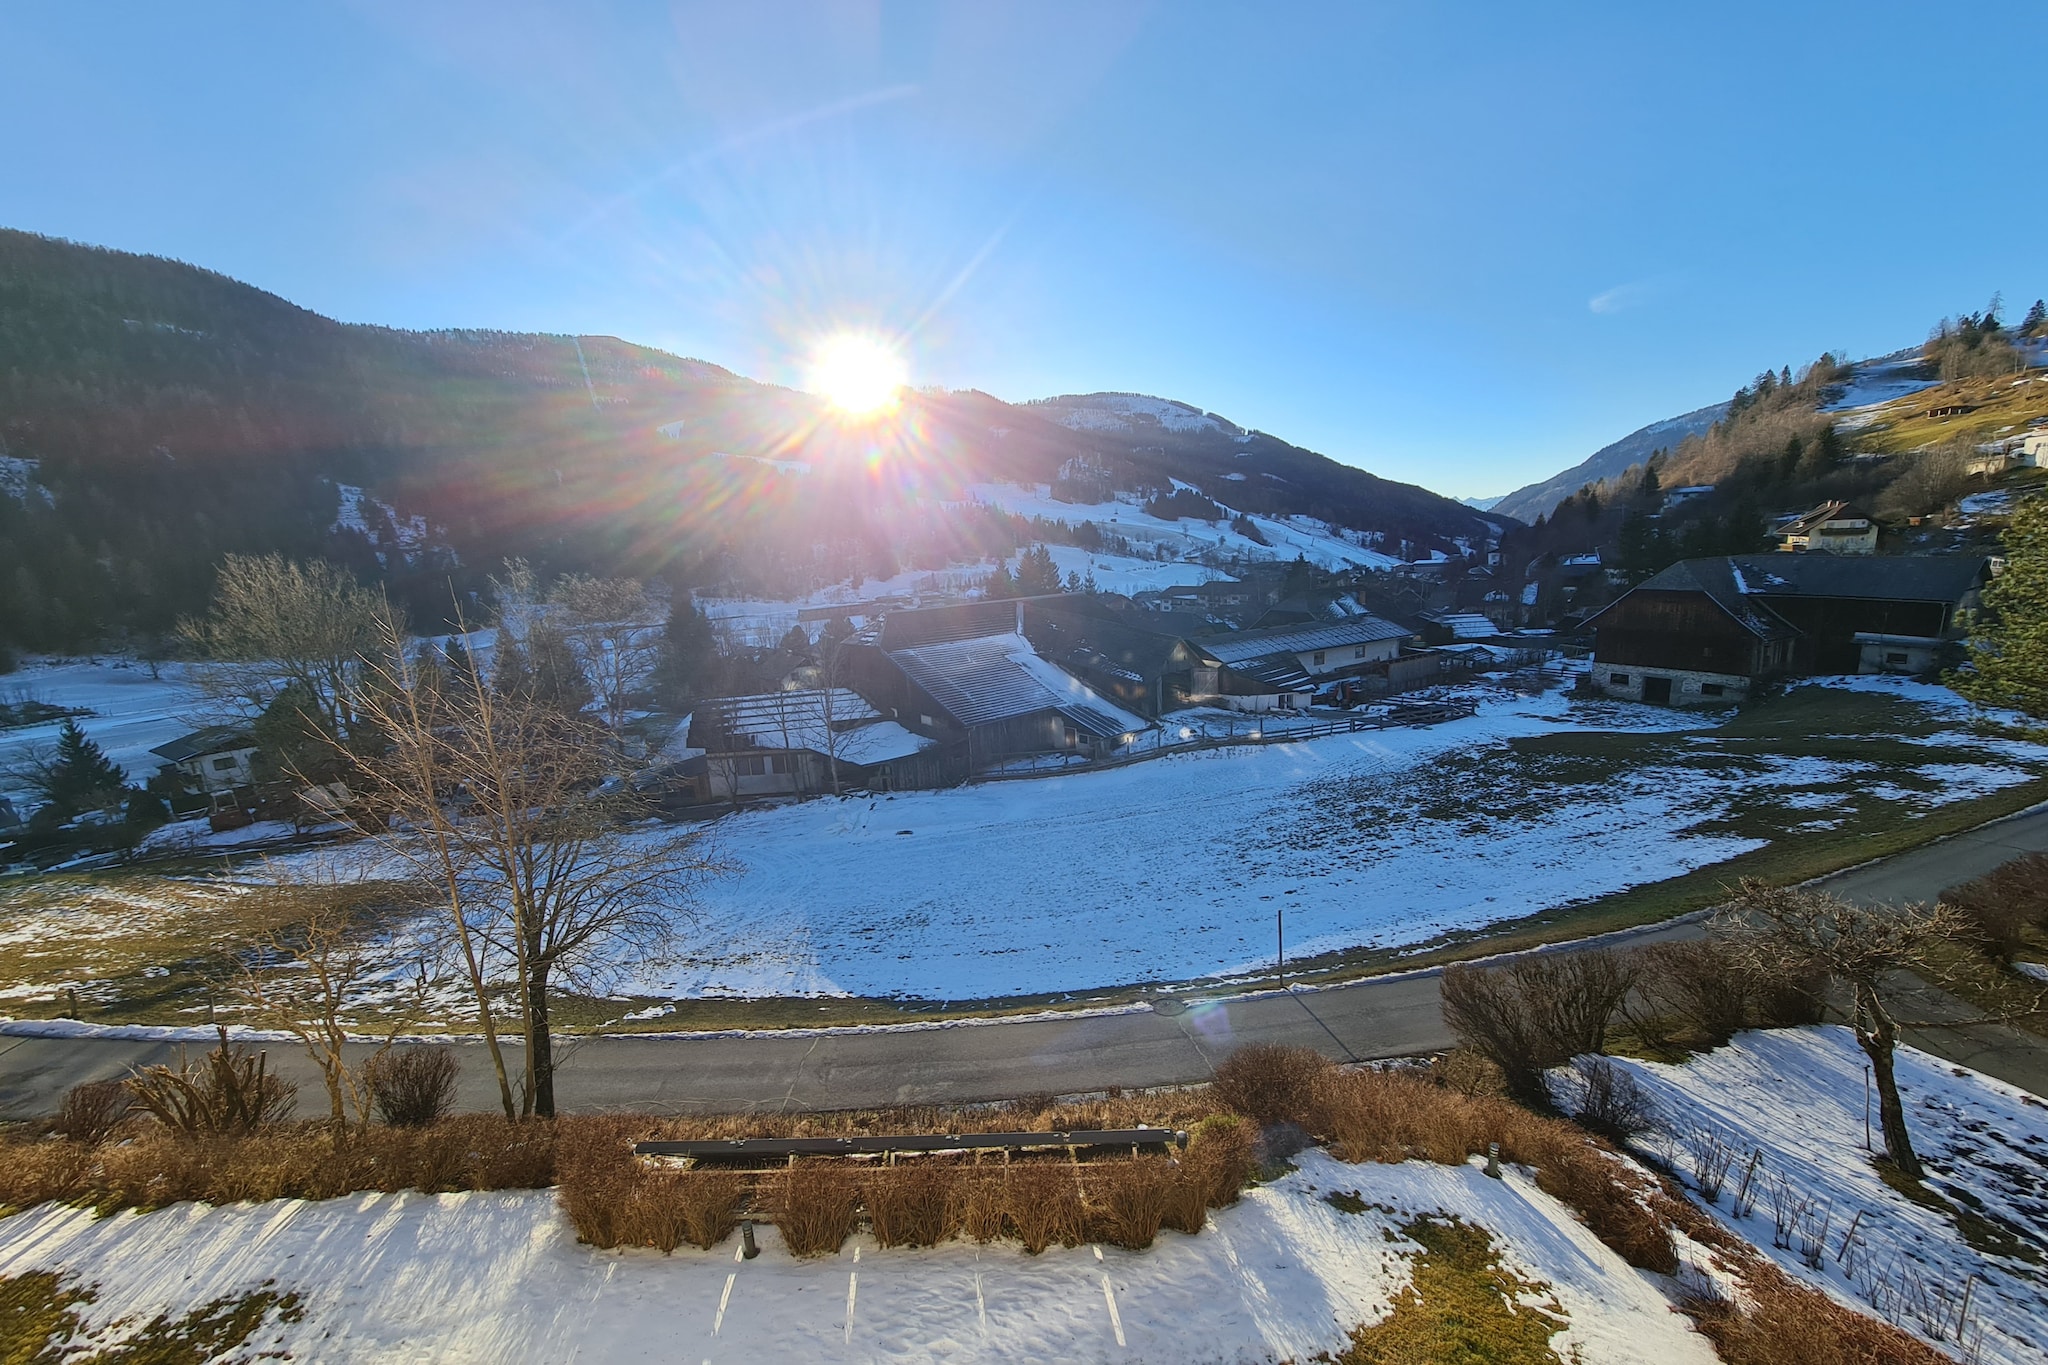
x: 749, y: 767
x: 1898, y: 658
x: 1319, y: 656
x: 1358, y: 653
x: 224, y: 765
x: 781, y: 764
x: 1618, y: 679
x: 1712, y: 689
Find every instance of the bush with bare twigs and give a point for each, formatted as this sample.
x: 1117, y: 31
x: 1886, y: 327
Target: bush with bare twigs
x: 1695, y: 983
x: 413, y: 1086
x: 1537, y: 1012
x: 1042, y: 1202
x: 1270, y: 1084
x: 911, y: 1205
x: 91, y: 1110
x: 1609, y: 1100
x: 2004, y: 903
x: 815, y: 1205
x: 231, y: 1091
x: 1128, y: 1201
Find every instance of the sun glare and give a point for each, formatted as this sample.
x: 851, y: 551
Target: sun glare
x: 858, y: 374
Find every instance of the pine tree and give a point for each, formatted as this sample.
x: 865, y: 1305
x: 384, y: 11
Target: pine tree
x: 2036, y: 321
x: 2008, y: 663
x: 83, y: 777
x: 511, y: 670
x: 689, y: 654
x: 558, y: 677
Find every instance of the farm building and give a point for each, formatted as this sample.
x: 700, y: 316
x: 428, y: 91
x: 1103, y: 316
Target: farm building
x: 1124, y: 655
x: 1706, y: 630
x: 967, y: 677
x: 1300, y: 657
x: 802, y: 742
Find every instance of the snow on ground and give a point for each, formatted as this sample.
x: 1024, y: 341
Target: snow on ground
x: 1993, y: 503
x: 1798, y: 1097
x: 1876, y: 382
x: 1315, y: 541
x: 500, y: 1277
x: 1115, y: 411
x: 132, y: 712
x: 764, y: 621
x: 1125, y: 574
x: 1172, y: 869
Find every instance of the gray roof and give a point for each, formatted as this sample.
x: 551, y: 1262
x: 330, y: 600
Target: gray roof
x: 995, y: 677
x: 214, y: 739
x: 1245, y: 645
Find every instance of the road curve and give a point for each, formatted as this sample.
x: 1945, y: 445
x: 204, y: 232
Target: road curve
x: 965, y: 1063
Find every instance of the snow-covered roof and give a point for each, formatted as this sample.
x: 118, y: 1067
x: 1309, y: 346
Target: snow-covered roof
x: 769, y: 716
x: 1467, y: 625
x: 1245, y: 645
x: 994, y: 677
x: 214, y: 739
x: 881, y: 742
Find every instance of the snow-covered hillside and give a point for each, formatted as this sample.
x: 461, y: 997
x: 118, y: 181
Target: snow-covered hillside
x: 131, y: 712
x: 1318, y: 542
x: 1283, y: 1275
x: 1823, y: 1212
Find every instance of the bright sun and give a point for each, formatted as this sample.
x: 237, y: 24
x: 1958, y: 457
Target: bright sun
x: 859, y: 374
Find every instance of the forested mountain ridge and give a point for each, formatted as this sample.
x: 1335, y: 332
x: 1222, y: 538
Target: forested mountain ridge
x: 1541, y: 499
x: 155, y: 416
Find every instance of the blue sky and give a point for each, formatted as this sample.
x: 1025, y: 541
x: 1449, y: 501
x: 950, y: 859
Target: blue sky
x: 1462, y: 245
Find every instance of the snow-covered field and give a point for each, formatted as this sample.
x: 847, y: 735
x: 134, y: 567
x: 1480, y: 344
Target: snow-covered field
x: 1126, y: 575
x: 132, y: 712
x: 1797, y: 1096
x: 1877, y: 382
x: 1175, y: 869
x: 500, y: 1277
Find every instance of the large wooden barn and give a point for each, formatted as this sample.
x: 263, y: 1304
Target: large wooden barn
x: 1707, y: 630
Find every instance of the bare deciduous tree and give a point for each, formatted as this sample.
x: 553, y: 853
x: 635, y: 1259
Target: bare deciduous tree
x: 274, y: 622
x: 1771, y: 931
x: 517, y: 813
x: 615, y: 627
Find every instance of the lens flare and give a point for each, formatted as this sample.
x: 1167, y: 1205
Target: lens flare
x: 859, y: 374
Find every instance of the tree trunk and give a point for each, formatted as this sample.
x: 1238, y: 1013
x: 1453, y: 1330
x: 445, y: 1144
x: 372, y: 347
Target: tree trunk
x: 540, y: 1047
x: 1878, y: 1034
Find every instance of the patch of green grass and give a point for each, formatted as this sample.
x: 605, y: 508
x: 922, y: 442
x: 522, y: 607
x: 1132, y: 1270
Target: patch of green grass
x: 40, y: 1325
x: 1463, y: 1307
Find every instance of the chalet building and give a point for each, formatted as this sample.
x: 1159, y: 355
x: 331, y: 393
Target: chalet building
x: 1126, y: 656
x: 966, y: 677
x: 218, y: 759
x: 1707, y: 630
x: 1834, y: 528
x: 802, y: 742
x: 1304, y: 657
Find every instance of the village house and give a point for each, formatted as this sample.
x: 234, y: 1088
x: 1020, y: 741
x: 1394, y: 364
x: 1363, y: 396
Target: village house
x: 1301, y: 658
x: 1834, y: 528
x: 1705, y: 631
x: 966, y: 677
x: 802, y: 742
x: 1122, y: 654
x: 215, y: 760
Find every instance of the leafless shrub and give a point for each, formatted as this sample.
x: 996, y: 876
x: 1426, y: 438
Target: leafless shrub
x: 1789, y: 1205
x: 815, y: 1206
x: 1538, y: 1012
x: 1712, y: 1154
x: 1218, y: 1160
x: 413, y: 1086
x: 664, y: 1209
x: 231, y: 1091
x: 1611, y: 1101
x: 1127, y: 1201
x: 1744, y: 1202
x: 1697, y: 983
x: 2003, y: 903
x: 1270, y: 1084
x: 91, y: 1109
x: 978, y: 1204
x: 1042, y: 1201
x: 910, y: 1205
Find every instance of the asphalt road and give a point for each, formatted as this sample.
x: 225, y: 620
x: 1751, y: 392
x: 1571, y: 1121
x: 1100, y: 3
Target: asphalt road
x: 1378, y: 1017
